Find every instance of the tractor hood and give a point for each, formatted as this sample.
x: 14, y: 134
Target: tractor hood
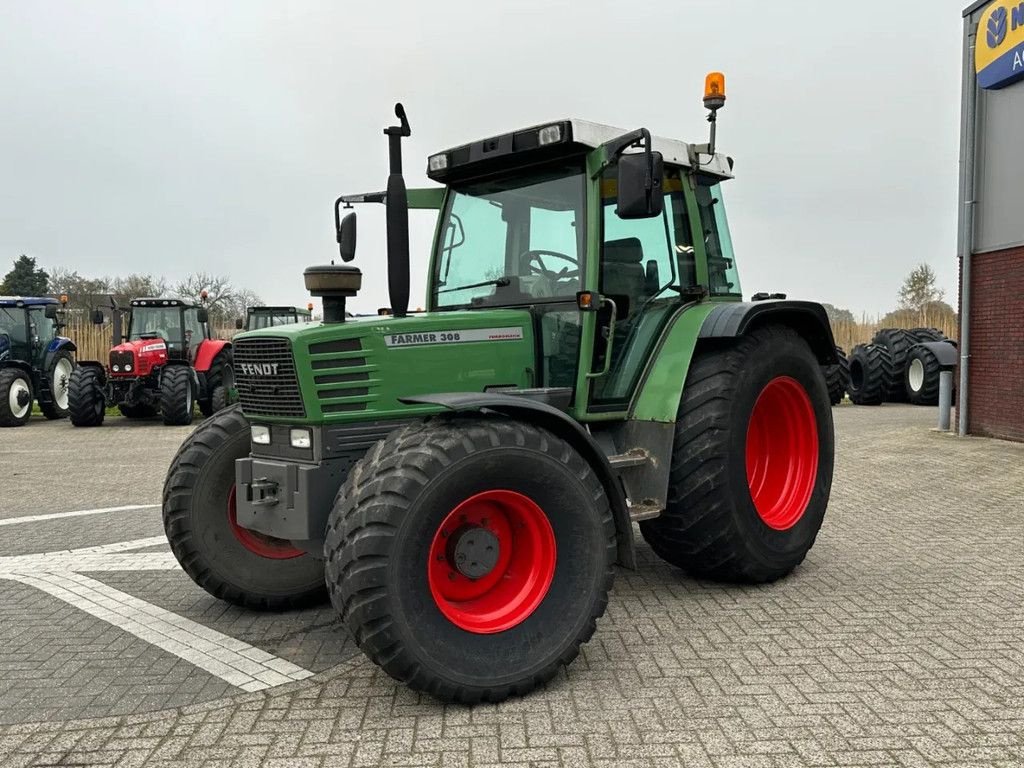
x: 359, y: 370
x: 137, y: 358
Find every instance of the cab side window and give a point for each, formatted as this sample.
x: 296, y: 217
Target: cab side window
x: 723, y: 277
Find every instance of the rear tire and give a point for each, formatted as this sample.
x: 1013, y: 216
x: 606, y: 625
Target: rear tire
x: 86, y: 402
x: 924, y: 335
x: 15, y: 397
x: 219, y: 399
x: 220, y: 375
x: 394, y: 575
x: 137, y: 411
x: 218, y: 556
x: 898, y: 343
x: 54, y: 395
x: 867, y: 374
x: 746, y: 411
x: 177, y: 395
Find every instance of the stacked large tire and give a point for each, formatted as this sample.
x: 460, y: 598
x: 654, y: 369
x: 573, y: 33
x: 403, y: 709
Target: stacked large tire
x: 837, y: 377
x: 896, y: 368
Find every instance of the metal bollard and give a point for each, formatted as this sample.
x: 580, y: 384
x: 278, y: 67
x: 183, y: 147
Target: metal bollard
x: 945, y: 399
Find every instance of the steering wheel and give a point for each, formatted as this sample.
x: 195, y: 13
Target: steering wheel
x: 540, y: 268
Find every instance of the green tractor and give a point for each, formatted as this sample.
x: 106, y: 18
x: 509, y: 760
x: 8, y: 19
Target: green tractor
x: 462, y: 481
x: 36, y: 362
x: 258, y: 318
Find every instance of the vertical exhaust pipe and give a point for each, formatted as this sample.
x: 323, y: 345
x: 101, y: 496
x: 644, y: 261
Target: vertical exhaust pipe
x: 397, y: 218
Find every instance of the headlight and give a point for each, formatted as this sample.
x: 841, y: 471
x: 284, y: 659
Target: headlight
x: 127, y: 367
x: 550, y: 135
x: 437, y: 162
x: 301, y: 438
x: 260, y: 434
x: 117, y: 367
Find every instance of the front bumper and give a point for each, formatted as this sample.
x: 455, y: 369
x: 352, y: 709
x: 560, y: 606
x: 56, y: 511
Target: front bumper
x: 281, y: 495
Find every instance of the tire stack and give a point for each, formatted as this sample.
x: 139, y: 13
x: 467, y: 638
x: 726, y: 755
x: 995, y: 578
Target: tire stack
x: 895, y: 368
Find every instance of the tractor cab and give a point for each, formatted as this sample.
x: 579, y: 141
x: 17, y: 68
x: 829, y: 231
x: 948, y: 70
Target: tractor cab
x: 35, y: 360
x: 159, y: 330
x: 257, y: 318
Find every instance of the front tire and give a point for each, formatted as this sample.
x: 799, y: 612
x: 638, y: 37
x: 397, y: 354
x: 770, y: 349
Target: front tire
x: 232, y: 563
x: 752, y: 462
x: 410, y: 572
x: 15, y: 397
x: 54, y: 399
x: 86, y: 402
x: 177, y: 395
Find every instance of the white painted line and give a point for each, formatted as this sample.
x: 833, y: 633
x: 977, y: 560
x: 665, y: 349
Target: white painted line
x: 79, y: 513
x: 60, y: 574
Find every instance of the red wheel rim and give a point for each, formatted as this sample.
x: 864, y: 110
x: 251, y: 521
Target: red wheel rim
x: 511, y: 590
x: 257, y: 543
x: 782, y: 453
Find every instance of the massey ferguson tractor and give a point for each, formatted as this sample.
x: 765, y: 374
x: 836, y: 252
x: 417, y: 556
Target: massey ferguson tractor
x: 36, y: 363
x: 257, y: 318
x: 462, y: 481
x: 163, y: 361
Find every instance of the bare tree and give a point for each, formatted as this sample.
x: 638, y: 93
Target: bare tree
x: 224, y: 300
x: 919, y: 292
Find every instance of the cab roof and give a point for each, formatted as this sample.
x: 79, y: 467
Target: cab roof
x: 162, y: 302
x: 26, y: 301
x: 575, y: 137
x: 269, y: 310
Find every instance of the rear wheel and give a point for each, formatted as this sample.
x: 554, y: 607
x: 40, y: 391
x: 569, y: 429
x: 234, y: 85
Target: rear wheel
x: 898, y: 343
x: 177, y: 395
x: 200, y: 518
x: 752, y: 462
x: 15, y: 397
x: 922, y: 377
x: 220, y: 376
x: 53, y: 397
x: 471, y: 558
x: 86, y: 402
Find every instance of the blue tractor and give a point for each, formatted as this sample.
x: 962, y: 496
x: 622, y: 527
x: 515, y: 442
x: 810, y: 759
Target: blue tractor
x: 35, y: 361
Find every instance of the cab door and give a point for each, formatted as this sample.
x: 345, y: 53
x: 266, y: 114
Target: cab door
x: 644, y: 265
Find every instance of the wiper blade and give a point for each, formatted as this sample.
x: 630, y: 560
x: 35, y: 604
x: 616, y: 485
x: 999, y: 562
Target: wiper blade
x: 501, y: 282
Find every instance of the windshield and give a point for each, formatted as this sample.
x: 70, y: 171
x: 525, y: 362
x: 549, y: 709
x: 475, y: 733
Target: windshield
x: 258, y: 320
x: 164, y: 322
x: 12, y: 323
x: 512, y: 241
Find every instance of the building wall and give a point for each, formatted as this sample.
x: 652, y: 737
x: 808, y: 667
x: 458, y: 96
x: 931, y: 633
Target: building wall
x: 996, y: 373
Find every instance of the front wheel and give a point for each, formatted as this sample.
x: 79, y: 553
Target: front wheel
x: 471, y: 558
x: 15, y: 397
x: 752, y: 461
x: 232, y: 563
x: 86, y: 400
x: 177, y: 395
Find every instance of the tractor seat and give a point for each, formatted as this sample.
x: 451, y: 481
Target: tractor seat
x: 623, y: 272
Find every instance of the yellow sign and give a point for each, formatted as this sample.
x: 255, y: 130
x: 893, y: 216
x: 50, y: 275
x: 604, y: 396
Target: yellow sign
x: 999, y: 51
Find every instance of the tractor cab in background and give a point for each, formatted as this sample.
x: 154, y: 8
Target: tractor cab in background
x: 257, y: 318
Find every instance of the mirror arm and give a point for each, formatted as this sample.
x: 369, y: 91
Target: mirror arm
x: 641, y: 137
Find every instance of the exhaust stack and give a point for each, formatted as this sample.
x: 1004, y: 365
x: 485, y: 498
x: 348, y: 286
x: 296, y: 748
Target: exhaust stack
x: 397, y: 218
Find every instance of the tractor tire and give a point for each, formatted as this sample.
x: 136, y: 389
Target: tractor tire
x: 752, y: 461
x: 867, y: 374
x: 140, y: 411
x: 177, y: 395
x: 220, y: 376
x: 86, y: 403
x: 924, y: 335
x: 417, y: 588
x: 232, y: 563
x: 837, y: 377
x: 219, y: 399
x: 15, y: 397
x: 54, y: 397
x: 921, y: 378
x: 898, y: 343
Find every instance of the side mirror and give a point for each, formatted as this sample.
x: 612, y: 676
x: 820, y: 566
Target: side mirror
x: 97, y: 317
x: 202, y: 315
x: 239, y: 323
x: 347, y: 237
x: 639, y: 186
x: 50, y: 311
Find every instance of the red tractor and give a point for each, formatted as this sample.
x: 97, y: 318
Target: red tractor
x: 164, y: 362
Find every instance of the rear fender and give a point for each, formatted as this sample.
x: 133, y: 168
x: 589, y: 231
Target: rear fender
x: 557, y: 422
x: 208, y: 350
x: 809, y: 319
x: 55, y: 347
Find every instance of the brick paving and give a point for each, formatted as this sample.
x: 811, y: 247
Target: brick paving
x: 898, y: 643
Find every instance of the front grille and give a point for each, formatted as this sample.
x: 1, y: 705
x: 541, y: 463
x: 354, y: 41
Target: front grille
x: 340, y: 389
x: 265, y: 378
x: 122, y: 362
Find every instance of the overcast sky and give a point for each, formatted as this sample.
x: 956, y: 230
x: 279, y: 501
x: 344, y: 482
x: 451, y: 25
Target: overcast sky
x: 176, y: 137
